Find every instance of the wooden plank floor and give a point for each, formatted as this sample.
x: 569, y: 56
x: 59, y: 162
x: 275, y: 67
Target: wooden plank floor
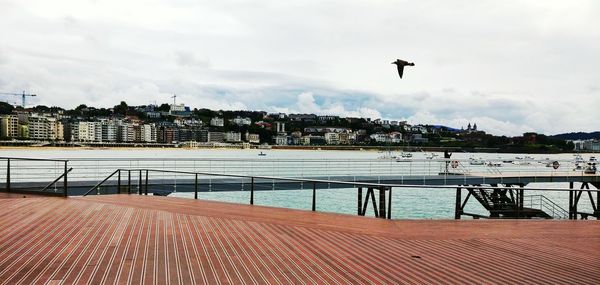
x: 122, y: 239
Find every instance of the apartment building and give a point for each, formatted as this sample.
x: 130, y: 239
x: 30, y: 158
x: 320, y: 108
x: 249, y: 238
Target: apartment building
x: 9, y: 126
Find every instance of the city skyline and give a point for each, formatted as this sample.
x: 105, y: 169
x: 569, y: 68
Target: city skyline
x: 536, y: 73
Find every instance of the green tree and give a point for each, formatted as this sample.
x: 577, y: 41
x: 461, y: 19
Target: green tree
x: 121, y: 108
x: 6, y: 108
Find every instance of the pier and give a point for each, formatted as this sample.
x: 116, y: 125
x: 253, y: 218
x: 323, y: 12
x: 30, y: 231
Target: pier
x: 110, y: 239
x: 501, y: 192
x: 105, y: 221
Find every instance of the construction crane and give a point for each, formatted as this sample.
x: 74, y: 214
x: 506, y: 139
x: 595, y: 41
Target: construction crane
x: 23, y: 96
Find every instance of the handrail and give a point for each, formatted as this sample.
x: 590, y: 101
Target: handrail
x: 544, y: 202
x: 101, y: 182
x: 34, y: 159
x: 354, y: 183
x: 56, y: 180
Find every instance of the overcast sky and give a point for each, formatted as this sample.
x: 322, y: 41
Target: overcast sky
x: 509, y: 66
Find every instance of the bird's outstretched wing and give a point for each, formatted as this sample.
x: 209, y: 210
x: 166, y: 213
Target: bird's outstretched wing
x: 400, y: 70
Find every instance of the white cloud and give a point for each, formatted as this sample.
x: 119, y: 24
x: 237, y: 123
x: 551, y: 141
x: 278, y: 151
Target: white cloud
x: 533, y: 65
x: 306, y: 103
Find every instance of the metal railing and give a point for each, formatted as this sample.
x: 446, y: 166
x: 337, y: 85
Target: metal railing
x: 190, y: 181
x: 541, y: 202
x: 89, y: 175
x: 425, y: 169
x: 13, y: 167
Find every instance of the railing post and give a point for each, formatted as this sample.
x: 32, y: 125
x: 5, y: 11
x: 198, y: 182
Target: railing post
x: 382, y: 208
x: 119, y: 182
x: 146, y: 186
x: 140, y: 183
x: 128, y: 181
x: 571, y: 201
x: 252, y: 191
x: 196, y: 187
x: 314, y: 197
x: 65, y: 181
x: 359, y: 206
x: 8, y: 175
x: 457, y: 207
x: 389, y: 213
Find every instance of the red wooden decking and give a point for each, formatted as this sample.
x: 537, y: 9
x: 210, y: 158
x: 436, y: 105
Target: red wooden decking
x: 159, y: 240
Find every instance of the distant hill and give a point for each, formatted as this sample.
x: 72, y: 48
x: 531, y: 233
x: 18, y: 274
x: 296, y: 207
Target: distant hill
x: 577, y: 136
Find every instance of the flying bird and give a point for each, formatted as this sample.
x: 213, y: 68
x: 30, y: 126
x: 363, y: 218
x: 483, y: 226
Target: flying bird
x: 401, y: 64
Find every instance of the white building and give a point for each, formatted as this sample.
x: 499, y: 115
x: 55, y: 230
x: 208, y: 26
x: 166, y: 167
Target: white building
x: 109, y: 131
x: 126, y: 132
x: 38, y: 128
x: 380, y: 137
x: 280, y: 127
x: 83, y: 131
x: 233, y: 137
x: 217, y: 122
x: 253, y: 138
x: 332, y: 138
x: 9, y: 126
x: 56, y: 130
x: 177, y: 108
x: 241, y: 121
x: 281, y: 140
x: 147, y: 133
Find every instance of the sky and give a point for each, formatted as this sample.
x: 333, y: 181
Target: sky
x: 509, y: 66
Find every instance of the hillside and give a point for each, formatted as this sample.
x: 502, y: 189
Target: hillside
x: 577, y: 136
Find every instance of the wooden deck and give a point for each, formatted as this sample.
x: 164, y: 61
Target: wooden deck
x: 160, y: 240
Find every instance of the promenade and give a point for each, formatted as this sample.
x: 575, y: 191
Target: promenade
x: 118, y: 239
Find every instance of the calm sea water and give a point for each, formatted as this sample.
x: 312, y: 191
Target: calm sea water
x: 407, y: 203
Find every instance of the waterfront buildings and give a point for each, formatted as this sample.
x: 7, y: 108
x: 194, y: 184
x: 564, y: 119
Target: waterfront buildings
x: 177, y: 124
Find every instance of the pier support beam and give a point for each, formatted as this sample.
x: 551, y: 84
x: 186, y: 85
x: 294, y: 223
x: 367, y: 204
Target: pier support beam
x: 140, y: 184
x: 382, y: 208
x: 146, y: 186
x: 575, y: 197
x: 572, y: 215
x: 8, y: 175
x: 252, y: 191
x: 457, y: 205
x: 389, y: 211
x: 196, y: 186
x: 370, y: 196
x: 65, y: 181
x: 359, y: 200
x: 314, y: 197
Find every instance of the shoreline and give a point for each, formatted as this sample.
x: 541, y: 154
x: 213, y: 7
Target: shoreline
x: 280, y: 148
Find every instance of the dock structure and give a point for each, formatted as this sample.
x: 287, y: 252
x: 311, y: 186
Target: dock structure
x: 502, y: 194
x: 136, y: 239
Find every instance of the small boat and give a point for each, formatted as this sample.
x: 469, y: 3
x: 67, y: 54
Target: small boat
x: 590, y: 168
x: 554, y: 164
x: 387, y: 156
x: 264, y: 146
x: 579, y: 162
x: 406, y: 154
x: 476, y: 161
x: 431, y: 156
x: 262, y: 154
